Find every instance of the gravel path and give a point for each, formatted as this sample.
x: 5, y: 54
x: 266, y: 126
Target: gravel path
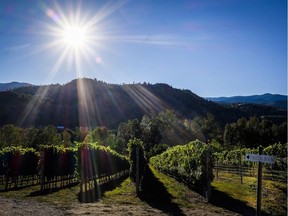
x: 138, y: 210
x: 13, y: 207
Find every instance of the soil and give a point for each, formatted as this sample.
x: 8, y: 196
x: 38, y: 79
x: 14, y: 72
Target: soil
x: 141, y: 210
x: 14, y: 207
x: 27, y: 207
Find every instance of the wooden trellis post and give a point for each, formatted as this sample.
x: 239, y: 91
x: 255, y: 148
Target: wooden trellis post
x: 208, y: 177
x: 240, y: 168
x: 137, y: 170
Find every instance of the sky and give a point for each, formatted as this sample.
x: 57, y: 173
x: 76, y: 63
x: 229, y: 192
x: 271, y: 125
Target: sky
x: 211, y: 47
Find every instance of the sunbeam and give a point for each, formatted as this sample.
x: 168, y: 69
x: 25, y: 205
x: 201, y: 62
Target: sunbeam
x: 33, y: 108
x: 76, y: 38
x: 87, y: 107
x: 145, y: 99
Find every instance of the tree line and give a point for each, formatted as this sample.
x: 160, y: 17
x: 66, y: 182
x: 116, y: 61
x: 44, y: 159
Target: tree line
x: 253, y: 132
x: 157, y: 132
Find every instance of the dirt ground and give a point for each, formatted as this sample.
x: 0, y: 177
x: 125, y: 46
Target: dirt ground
x: 13, y: 207
x: 104, y: 209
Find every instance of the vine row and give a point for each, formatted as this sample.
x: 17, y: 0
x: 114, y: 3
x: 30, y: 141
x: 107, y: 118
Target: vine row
x: 191, y: 163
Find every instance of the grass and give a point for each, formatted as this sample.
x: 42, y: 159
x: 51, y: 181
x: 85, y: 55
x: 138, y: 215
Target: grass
x: 61, y: 197
x: 160, y: 191
x: 123, y: 194
x: 274, y: 194
x: 177, y: 190
x: 231, y: 186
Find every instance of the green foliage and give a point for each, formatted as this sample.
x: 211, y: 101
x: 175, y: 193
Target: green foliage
x: 57, y: 148
x: 112, y: 141
x: 151, y: 131
x: 253, y: 132
x: 280, y: 152
x: 14, y: 149
x: 187, y: 163
x: 80, y: 134
x: 99, y: 135
x: 132, y: 146
x: 16, y: 161
x: 11, y: 135
x: 127, y: 131
x: 97, y: 161
x: 66, y: 139
x: 157, y: 149
x: 231, y: 157
x: 215, y: 146
x: 57, y: 161
x: 49, y: 136
x: 207, y: 128
x: 165, y: 127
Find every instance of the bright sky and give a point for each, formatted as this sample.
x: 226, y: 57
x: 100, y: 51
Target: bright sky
x: 213, y: 48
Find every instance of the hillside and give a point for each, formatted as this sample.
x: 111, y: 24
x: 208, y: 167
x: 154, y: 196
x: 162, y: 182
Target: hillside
x: 275, y: 100
x: 87, y: 102
x: 12, y: 85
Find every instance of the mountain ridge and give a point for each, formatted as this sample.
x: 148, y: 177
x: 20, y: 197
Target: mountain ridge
x: 276, y: 100
x: 12, y: 85
x: 90, y: 103
x: 256, y: 98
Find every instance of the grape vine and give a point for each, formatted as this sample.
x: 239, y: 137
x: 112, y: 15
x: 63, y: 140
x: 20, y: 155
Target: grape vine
x: 187, y: 163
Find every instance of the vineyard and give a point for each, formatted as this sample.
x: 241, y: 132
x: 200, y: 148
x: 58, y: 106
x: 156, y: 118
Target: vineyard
x: 191, y: 163
x: 195, y: 165
x: 19, y: 166
x: 98, y: 163
x: 90, y: 166
x: 56, y: 167
x: 234, y: 162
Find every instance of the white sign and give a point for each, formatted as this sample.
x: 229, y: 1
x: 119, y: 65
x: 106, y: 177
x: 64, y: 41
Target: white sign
x: 260, y: 158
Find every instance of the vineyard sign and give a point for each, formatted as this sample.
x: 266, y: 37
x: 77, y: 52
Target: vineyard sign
x: 260, y: 158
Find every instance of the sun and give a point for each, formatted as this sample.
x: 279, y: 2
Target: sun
x: 74, y: 36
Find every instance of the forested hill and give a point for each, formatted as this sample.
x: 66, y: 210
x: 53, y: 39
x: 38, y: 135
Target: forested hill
x: 12, y: 85
x: 275, y: 100
x: 87, y: 102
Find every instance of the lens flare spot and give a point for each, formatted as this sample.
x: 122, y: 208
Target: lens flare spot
x: 50, y: 13
x: 99, y: 60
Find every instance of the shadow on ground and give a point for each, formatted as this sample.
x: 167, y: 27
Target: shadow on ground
x: 155, y: 194
x: 223, y: 200
x: 16, y: 188
x: 91, y: 195
x: 51, y: 190
x: 283, y: 189
x: 95, y: 194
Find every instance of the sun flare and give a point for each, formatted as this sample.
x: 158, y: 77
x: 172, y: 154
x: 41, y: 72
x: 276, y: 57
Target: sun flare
x: 74, y: 36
